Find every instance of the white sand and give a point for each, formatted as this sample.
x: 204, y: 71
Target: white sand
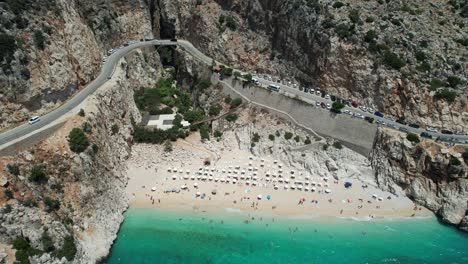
x: 148, y: 168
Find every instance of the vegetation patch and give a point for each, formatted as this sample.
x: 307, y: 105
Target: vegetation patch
x: 77, y: 140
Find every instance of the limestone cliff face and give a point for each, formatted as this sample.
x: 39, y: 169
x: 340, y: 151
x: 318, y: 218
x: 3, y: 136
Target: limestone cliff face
x: 324, y: 45
x: 425, y: 172
x: 58, y: 48
x: 92, y: 183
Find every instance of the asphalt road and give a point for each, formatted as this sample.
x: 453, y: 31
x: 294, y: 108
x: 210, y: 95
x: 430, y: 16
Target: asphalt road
x: 108, y: 69
x: 387, y: 122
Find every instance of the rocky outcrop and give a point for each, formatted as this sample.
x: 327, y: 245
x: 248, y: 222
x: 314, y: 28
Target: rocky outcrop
x: 322, y: 44
x: 428, y: 172
x: 92, y: 183
x: 57, y: 49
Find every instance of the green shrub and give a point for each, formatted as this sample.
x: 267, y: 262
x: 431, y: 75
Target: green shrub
x: 29, y: 202
x: 446, y: 94
x: 231, y: 23
x: 325, y: 147
x: 47, y: 242
x: 167, y: 146
x: 77, y: 140
x: 7, y: 209
x: 435, y: 84
x: 114, y: 129
x: 7, y: 47
x: 39, y: 39
x: 307, y: 141
x: 193, y: 116
x: 344, y: 30
x: 256, y: 137
x: 454, y: 81
x: 235, y: 103
x: 87, y: 127
x: 420, y: 55
x: 371, y: 35
x: 465, y: 156
x: 370, y: 19
x: 215, y: 110
x: 288, y: 135
x: 271, y: 137
x: 337, y: 4
x: 231, y: 117
x: 203, y: 85
x: 413, y: 138
x: 218, y: 134
x: 8, y: 194
x: 95, y: 148
x: 38, y: 175
x: 68, y: 249
x: 228, y: 99
x: 205, y: 132
x: 81, y: 112
x: 51, y: 204
x: 424, y: 67
x: 393, y: 60
x: 297, y: 138
x: 24, y: 250
x: 237, y: 75
x: 337, y: 106
x: 454, y: 161
x: 354, y: 16
x: 13, y: 169
x: 337, y: 145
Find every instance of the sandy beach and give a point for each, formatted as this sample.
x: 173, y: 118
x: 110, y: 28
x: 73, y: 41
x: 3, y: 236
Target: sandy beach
x: 224, y: 177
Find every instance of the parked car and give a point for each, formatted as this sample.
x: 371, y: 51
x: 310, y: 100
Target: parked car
x: 323, y: 94
x: 312, y: 91
x: 431, y: 129
x: 174, y: 40
x: 414, y: 125
x: 333, y: 98
x: 426, y: 135
x: 34, y: 120
x: 404, y: 129
x: 327, y: 97
x: 390, y: 125
x: 317, y: 92
x: 460, y: 133
x: 447, y: 132
x: 389, y: 118
x: 377, y: 113
x: 317, y: 104
x: 328, y: 106
x: 323, y: 105
x: 401, y: 121
x: 354, y: 104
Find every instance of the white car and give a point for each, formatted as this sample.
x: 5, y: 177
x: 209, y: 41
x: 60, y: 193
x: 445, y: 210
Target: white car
x: 431, y: 129
x: 317, y: 92
x: 328, y: 106
x: 327, y: 97
x: 317, y: 104
x: 370, y: 110
x: 34, y: 120
x: 312, y: 91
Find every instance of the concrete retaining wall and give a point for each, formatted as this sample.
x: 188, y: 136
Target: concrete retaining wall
x: 354, y: 133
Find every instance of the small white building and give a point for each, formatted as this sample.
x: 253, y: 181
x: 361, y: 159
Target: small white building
x: 163, y: 122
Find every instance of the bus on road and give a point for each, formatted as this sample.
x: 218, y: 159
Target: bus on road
x: 274, y: 87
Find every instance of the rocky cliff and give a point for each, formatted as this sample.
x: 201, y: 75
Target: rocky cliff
x: 89, y: 186
x: 403, y: 58
x: 51, y: 49
x: 431, y: 174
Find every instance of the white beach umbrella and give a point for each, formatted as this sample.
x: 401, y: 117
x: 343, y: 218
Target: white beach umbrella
x: 198, y: 177
x: 268, y: 173
x: 183, y: 187
x: 313, y: 183
x: 174, y: 177
x: 198, y: 193
x: 262, y: 160
x: 204, y: 178
x: 195, y: 184
x: 256, y: 169
x: 223, y: 171
x: 286, y: 180
x: 242, y: 177
x: 254, y: 177
x: 280, y: 180
x: 228, y: 180
x: 254, y: 183
x: 313, y: 189
x: 319, y: 184
x: 243, y: 172
x: 293, y: 187
x: 307, y: 177
x: 247, y: 182
x: 153, y: 189
x: 187, y: 171
x: 186, y: 177
x: 234, y: 181
x: 291, y: 172
x: 169, y: 169
x: 267, y: 179
x: 250, y: 158
x: 193, y: 177
x: 275, y: 161
x: 174, y: 169
x: 325, y: 185
x: 286, y: 187
x: 299, y: 187
x: 216, y: 179
x: 306, y: 189
x: 374, y: 196
x: 259, y: 197
x: 325, y: 178
x: 210, y: 178
x: 276, y: 187
x: 328, y: 191
x: 221, y: 180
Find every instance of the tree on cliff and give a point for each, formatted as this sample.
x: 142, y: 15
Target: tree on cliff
x: 77, y: 140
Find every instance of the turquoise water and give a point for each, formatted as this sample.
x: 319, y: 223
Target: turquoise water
x: 153, y: 236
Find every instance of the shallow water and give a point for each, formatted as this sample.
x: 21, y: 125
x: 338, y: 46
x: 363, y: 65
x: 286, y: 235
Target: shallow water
x: 154, y: 236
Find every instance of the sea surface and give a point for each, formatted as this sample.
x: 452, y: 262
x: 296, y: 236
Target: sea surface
x: 154, y: 236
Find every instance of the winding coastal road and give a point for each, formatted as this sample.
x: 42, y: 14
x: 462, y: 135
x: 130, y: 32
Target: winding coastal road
x: 112, y: 61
